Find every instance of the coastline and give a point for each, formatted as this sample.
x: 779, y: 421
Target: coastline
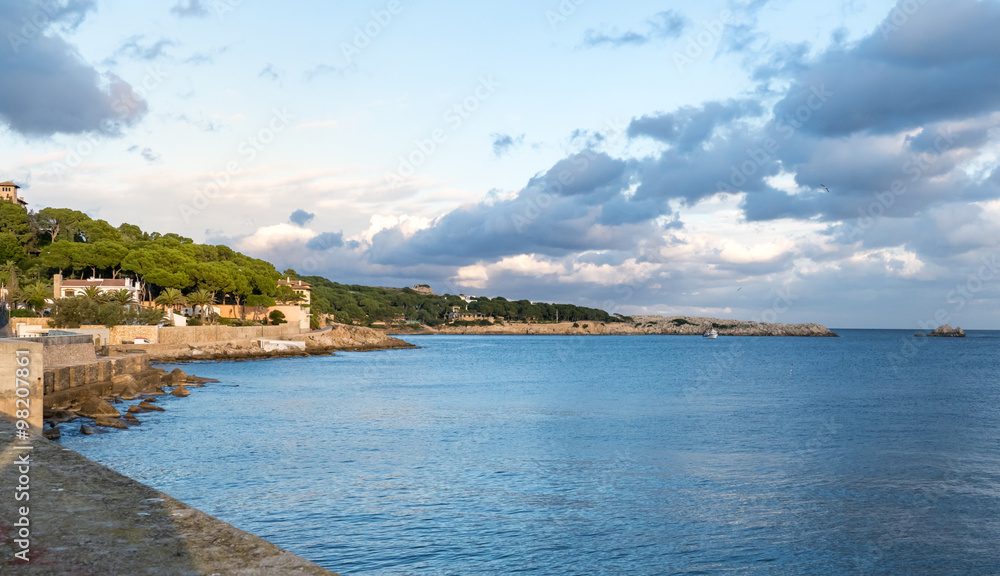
x: 640, y: 326
x: 334, y: 338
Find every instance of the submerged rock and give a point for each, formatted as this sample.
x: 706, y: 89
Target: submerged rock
x: 95, y: 407
x: 84, y: 429
x: 110, y: 423
x: 54, y: 417
x: 150, y: 407
x: 51, y: 433
x: 130, y: 418
x: 181, y: 391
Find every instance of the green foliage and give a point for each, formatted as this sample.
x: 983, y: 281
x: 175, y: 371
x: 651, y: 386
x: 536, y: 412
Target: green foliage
x: 277, y: 317
x: 681, y: 322
x: 75, y: 312
x: 720, y: 326
x: 22, y: 313
x: 365, y: 304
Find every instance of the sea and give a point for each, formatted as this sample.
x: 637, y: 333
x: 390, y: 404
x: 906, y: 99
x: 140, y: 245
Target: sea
x: 872, y: 453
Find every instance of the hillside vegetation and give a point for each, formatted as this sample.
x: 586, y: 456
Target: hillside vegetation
x: 176, y: 270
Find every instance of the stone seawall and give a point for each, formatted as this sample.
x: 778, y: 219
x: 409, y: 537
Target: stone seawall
x: 65, y: 383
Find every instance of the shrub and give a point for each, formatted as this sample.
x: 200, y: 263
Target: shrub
x: 576, y: 325
x: 277, y: 317
x: 681, y: 322
x: 22, y: 313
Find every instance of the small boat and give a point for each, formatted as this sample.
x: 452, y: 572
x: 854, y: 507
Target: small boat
x: 711, y: 334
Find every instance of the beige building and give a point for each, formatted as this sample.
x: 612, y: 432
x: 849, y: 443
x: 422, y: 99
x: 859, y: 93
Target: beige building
x: 69, y: 288
x: 303, y: 289
x: 8, y: 192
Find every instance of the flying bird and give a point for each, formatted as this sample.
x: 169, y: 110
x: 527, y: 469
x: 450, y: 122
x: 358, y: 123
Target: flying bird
x: 825, y: 188
x: 740, y: 288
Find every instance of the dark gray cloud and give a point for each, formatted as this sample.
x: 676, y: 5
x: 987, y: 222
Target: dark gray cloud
x: 690, y: 127
x: 664, y: 25
x: 56, y: 91
x: 189, y: 9
x: 889, y: 123
x: 940, y: 63
x: 504, y: 143
x: 326, y: 241
x: 301, y: 217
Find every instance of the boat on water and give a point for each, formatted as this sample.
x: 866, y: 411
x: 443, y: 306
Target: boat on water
x: 711, y: 334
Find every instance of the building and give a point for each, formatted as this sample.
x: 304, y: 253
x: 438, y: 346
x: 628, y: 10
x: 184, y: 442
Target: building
x: 303, y: 290
x: 8, y: 192
x: 69, y: 288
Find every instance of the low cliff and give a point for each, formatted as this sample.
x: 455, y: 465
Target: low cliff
x: 672, y: 325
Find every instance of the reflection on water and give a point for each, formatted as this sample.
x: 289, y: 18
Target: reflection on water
x: 637, y: 455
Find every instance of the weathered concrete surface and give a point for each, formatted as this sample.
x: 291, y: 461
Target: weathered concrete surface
x: 31, y: 373
x: 65, y: 350
x: 86, y: 520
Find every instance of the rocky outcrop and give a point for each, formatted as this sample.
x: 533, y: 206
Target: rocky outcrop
x: 335, y: 338
x: 181, y: 391
x: 651, y: 325
x: 345, y: 337
x: 947, y: 331
x: 97, y: 407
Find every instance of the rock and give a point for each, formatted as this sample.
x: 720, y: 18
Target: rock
x: 947, y: 331
x: 131, y: 392
x: 51, y: 433
x: 87, y: 430
x: 95, y: 407
x: 149, y: 399
x: 110, y: 423
x: 200, y: 380
x: 130, y: 418
x: 181, y: 391
x: 150, y: 407
x: 59, y: 416
x: 122, y: 382
x: 175, y: 376
x: 155, y: 391
x: 133, y: 409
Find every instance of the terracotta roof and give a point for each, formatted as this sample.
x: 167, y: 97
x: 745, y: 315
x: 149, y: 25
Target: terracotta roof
x: 294, y: 284
x: 106, y: 282
x: 9, y: 183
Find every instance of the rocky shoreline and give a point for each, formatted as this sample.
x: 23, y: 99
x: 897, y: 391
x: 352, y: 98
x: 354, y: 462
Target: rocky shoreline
x: 129, y: 396
x: 640, y: 325
x: 336, y: 338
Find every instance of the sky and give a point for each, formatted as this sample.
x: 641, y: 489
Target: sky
x: 830, y: 162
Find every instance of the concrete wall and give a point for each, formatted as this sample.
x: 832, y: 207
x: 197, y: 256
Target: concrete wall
x: 200, y: 334
x: 63, y: 350
x: 65, y: 378
x: 120, y: 334
x: 31, y: 374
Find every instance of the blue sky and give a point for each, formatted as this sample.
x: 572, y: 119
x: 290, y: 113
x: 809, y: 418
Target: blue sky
x: 652, y: 157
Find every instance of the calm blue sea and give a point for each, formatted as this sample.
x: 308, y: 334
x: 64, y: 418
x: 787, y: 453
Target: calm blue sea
x: 873, y: 453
